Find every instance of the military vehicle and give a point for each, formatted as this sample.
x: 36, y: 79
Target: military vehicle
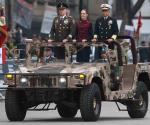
x: 74, y: 86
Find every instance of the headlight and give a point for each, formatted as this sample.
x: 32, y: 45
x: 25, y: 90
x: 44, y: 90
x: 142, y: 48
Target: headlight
x: 62, y: 80
x: 23, y: 80
x: 82, y: 76
x: 9, y: 76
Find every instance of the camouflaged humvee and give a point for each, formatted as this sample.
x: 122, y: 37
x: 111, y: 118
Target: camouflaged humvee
x: 73, y: 86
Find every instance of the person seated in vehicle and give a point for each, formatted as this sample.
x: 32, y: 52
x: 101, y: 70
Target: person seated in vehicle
x: 63, y: 28
x: 48, y: 55
x: 84, y: 33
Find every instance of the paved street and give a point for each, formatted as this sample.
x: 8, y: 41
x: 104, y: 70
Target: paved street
x: 109, y: 116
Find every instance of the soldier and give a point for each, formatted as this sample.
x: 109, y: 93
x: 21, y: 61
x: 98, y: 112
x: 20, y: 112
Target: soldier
x: 63, y: 28
x: 106, y: 29
x: 48, y: 55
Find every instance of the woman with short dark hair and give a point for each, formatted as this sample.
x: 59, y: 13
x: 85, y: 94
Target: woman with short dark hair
x: 84, y: 33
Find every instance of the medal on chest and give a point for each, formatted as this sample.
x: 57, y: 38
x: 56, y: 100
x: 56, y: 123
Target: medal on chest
x: 56, y: 22
x: 66, y: 21
x: 100, y: 25
x: 110, y: 23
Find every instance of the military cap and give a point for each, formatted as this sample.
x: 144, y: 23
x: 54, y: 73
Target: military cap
x: 106, y: 7
x: 62, y: 6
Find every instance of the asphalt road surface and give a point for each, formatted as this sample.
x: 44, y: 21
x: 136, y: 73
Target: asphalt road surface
x: 109, y: 116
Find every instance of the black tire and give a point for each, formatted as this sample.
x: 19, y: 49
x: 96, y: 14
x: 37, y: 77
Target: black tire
x: 138, y: 109
x: 90, y: 103
x: 15, y: 105
x: 66, y: 112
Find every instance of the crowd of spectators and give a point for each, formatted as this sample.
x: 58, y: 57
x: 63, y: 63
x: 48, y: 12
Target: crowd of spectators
x: 16, y: 41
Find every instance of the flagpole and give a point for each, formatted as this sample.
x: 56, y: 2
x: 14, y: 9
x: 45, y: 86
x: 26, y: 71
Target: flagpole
x: 139, y: 27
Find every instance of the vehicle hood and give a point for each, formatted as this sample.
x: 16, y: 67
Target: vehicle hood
x: 66, y: 69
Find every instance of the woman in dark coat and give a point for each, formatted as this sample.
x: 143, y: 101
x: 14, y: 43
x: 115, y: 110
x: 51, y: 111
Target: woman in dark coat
x: 84, y: 33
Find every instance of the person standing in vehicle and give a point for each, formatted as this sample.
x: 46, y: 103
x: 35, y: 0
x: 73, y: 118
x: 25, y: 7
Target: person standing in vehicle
x: 63, y: 28
x: 106, y: 29
x: 84, y: 33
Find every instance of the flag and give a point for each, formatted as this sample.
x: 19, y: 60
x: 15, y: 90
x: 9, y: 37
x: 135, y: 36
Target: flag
x: 3, y: 34
x: 50, y: 13
x: 3, y: 27
x: 139, y: 25
x: 2, y: 56
x: 23, y: 13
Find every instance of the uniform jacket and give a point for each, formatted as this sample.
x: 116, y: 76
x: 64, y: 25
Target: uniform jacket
x: 62, y: 28
x: 106, y: 28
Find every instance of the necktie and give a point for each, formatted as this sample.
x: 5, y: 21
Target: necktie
x: 61, y: 19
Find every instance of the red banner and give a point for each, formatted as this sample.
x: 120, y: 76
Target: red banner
x: 139, y: 25
x: 3, y: 34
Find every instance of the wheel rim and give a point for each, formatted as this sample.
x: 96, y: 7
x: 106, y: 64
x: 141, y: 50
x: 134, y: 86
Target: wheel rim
x: 141, y: 101
x: 96, y: 105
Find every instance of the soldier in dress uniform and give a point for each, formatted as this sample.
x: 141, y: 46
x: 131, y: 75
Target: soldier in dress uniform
x: 63, y: 28
x: 106, y: 28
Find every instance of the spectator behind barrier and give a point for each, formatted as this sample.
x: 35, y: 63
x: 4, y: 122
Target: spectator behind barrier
x: 143, y: 52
